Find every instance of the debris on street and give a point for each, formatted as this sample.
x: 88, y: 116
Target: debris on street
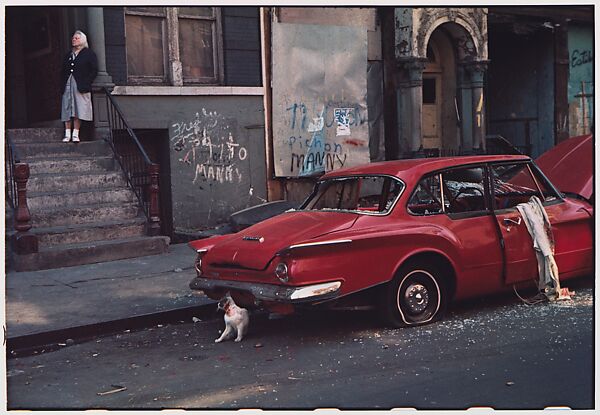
x: 117, y: 388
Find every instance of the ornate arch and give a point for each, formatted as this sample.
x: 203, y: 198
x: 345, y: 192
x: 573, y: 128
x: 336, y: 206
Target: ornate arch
x: 462, y: 22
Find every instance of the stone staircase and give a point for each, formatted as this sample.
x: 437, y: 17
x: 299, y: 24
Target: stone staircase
x: 81, y: 207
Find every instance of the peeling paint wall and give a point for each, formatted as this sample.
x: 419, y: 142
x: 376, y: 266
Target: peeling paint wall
x: 340, y: 105
x: 581, y: 80
x: 319, y: 103
x: 217, y: 153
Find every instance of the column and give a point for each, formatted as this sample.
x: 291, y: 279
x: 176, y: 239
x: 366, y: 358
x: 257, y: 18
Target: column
x: 412, y: 106
x: 463, y: 94
x: 95, y: 16
x: 476, y: 71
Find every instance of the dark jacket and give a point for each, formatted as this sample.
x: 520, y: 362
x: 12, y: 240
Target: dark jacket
x: 84, y: 68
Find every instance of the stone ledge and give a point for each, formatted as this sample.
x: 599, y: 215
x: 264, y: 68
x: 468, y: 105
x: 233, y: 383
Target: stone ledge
x: 188, y: 90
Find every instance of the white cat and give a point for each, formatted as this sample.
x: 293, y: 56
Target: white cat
x: 236, y: 319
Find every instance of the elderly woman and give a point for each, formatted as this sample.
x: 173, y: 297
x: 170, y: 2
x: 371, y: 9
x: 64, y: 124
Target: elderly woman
x: 79, y: 69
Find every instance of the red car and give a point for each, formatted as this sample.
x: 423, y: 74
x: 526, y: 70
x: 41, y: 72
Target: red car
x: 408, y: 235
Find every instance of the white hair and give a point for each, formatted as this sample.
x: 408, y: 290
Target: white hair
x: 83, y: 37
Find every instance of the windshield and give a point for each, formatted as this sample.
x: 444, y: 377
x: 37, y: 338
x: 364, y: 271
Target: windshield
x: 360, y: 194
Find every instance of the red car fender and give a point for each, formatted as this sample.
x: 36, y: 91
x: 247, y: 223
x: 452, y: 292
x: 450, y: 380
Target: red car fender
x: 431, y: 252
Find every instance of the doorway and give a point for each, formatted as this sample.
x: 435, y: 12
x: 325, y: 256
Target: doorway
x: 34, y: 52
x: 440, y: 113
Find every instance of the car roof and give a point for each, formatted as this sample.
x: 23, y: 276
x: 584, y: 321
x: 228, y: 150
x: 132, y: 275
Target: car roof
x: 418, y: 167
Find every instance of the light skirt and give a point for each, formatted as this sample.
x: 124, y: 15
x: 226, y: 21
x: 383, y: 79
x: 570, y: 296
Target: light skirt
x: 74, y: 103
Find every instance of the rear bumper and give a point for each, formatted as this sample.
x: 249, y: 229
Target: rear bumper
x: 271, y: 292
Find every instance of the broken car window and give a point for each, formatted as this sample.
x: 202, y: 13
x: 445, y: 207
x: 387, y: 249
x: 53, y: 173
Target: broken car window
x: 426, y: 200
x: 464, y: 190
x: 513, y: 184
x: 365, y: 194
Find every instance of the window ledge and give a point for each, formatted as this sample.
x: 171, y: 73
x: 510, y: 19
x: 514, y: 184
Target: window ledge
x: 188, y: 90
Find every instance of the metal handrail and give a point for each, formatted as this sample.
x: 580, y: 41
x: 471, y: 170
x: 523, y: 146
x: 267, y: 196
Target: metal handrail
x: 140, y: 171
x: 12, y: 158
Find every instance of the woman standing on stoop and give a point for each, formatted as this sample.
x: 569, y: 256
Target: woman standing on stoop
x: 79, y: 69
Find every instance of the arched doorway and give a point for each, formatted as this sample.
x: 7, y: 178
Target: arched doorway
x: 440, y: 117
x: 440, y: 68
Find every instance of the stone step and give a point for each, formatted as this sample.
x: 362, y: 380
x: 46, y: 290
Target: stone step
x: 61, y: 182
x: 73, y: 164
x: 29, y: 152
x: 59, y: 256
x: 35, y: 135
x: 73, y: 214
x: 88, y: 232
x: 50, y: 200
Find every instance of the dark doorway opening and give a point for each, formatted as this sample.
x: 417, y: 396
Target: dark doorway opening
x: 156, y: 145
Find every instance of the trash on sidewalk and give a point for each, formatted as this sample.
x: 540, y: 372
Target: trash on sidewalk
x: 565, y: 294
x: 117, y: 388
x: 196, y: 319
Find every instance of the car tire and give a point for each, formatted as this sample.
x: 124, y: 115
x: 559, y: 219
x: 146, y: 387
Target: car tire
x: 416, y: 296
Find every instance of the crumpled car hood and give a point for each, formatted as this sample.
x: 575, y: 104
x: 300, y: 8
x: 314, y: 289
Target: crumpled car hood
x: 255, y: 246
x: 569, y: 165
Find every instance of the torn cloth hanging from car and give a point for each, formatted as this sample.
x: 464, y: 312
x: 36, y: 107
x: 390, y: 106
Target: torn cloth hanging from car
x: 540, y: 229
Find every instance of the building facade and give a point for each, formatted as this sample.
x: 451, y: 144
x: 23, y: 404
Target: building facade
x: 243, y: 105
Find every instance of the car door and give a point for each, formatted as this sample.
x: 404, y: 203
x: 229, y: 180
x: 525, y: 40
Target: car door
x: 514, y: 183
x: 468, y: 216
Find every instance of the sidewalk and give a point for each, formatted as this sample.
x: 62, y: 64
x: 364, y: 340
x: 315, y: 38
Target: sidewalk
x: 63, y: 298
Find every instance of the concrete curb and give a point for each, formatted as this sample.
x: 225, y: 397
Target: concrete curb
x: 30, y: 344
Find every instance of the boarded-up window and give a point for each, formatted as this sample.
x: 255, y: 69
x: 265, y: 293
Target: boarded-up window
x: 145, y: 44
x: 197, y: 58
x: 193, y: 41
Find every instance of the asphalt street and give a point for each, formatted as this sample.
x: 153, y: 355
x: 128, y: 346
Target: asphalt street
x: 496, y: 352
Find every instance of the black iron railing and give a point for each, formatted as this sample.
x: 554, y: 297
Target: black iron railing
x: 141, y: 173
x: 16, y: 177
x: 12, y: 158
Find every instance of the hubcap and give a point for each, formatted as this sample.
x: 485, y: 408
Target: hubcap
x: 416, y: 298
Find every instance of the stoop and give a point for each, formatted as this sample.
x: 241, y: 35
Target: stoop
x: 81, y: 207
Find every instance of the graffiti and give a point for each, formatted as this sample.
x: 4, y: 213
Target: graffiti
x: 316, y: 161
x: 298, y: 116
x: 342, y: 118
x: 582, y: 57
x: 208, y: 146
x: 321, y: 151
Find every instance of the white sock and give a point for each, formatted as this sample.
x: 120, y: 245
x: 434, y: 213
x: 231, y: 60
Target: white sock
x: 75, y: 133
x: 67, y: 133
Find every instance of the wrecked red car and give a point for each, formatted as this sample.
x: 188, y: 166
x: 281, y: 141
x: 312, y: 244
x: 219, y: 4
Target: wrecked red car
x: 410, y: 236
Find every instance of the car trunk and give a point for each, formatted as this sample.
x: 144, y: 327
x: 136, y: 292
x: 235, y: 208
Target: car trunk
x: 254, y: 247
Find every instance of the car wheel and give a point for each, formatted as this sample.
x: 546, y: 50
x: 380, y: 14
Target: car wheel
x: 416, y: 295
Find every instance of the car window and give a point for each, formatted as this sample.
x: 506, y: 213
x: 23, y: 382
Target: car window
x: 426, y: 199
x: 513, y: 184
x: 550, y: 194
x: 464, y: 190
x: 365, y: 194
